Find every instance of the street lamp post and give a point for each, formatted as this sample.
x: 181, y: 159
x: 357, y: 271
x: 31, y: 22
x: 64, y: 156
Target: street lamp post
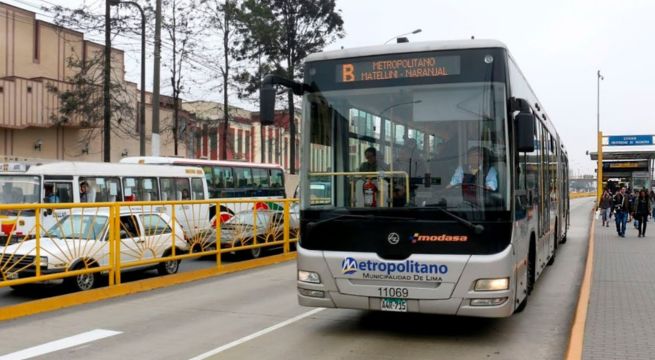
x: 142, y: 107
x: 397, y: 36
x: 599, y: 140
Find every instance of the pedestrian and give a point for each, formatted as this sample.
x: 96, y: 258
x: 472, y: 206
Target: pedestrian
x: 652, y: 202
x: 641, y: 209
x: 606, y: 207
x: 621, y: 209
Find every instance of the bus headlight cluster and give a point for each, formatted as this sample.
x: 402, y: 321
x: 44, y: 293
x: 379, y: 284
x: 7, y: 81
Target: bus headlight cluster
x: 309, y: 277
x: 492, y: 284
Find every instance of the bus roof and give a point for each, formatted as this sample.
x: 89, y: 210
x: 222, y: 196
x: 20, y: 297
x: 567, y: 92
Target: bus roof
x: 405, y: 48
x: 162, y: 160
x: 111, y: 169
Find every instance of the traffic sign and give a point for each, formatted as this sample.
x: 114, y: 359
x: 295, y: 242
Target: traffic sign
x: 628, y: 140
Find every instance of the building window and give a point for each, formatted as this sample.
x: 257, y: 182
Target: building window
x: 29, y: 89
x: 2, y: 89
x: 247, y: 150
x: 36, y: 41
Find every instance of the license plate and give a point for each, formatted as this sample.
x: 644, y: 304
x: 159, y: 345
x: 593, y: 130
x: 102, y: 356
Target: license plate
x: 397, y: 305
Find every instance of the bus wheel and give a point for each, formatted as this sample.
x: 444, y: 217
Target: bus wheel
x: 531, y: 265
x: 551, y: 261
x: 563, y: 239
x: 522, y: 305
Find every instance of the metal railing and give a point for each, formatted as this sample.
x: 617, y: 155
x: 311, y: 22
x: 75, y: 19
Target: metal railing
x: 77, y: 243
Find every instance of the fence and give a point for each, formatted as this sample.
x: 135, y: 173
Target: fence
x: 77, y: 243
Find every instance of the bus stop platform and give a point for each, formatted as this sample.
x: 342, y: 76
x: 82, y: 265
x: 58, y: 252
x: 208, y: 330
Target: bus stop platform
x: 620, y: 320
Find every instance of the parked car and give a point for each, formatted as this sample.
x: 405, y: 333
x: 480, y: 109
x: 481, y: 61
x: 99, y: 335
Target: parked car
x: 269, y: 225
x: 79, y: 240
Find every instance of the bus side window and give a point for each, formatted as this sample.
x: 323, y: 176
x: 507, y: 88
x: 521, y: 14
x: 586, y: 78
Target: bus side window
x: 167, y: 189
x: 182, y: 189
x: 198, y: 192
x: 277, y: 177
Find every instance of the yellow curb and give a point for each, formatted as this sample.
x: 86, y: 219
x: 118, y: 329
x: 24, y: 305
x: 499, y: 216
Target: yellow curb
x: 68, y: 300
x: 576, y: 341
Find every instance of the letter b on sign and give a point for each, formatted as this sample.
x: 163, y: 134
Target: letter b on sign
x: 348, y: 72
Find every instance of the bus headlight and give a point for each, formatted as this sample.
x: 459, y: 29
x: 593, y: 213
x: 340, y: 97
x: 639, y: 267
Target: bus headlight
x: 492, y: 284
x: 309, y: 277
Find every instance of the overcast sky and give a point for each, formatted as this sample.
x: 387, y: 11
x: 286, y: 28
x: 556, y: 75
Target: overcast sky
x: 559, y: 45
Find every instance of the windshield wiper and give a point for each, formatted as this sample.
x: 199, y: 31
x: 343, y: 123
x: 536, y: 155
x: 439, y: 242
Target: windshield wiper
x: 314, y: 224
x: 477, y: 228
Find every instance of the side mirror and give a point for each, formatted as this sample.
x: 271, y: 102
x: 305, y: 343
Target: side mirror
x: 525, y: 124
x: 267, y: 104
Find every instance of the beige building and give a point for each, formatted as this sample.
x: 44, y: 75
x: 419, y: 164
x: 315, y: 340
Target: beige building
x: 35, y: 66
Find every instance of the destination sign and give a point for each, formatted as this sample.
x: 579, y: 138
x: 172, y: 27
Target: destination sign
x: 401, y: 67
x: 625, y: 165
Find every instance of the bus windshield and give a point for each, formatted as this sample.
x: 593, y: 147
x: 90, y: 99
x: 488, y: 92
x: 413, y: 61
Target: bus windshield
x: 429, y: 145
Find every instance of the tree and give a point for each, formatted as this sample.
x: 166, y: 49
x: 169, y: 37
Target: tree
x: 285, y: 32
x: 81, y: 99
x: 181, y: 23
x: 222, y: 17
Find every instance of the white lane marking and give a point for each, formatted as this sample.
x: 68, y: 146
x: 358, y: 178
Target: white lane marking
x: 255, y: 335
x: 60, y: 344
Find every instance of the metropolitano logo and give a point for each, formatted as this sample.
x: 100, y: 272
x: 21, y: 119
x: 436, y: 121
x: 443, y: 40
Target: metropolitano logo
x: 349, y: 266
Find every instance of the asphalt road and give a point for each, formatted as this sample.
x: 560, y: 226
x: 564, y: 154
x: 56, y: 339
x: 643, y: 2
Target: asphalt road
x: 255, y: 315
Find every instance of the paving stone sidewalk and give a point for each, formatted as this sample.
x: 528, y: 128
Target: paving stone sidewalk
x: 621, y: 315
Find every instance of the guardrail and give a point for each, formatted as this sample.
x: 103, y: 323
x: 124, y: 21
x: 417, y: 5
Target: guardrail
x: 77, y: 243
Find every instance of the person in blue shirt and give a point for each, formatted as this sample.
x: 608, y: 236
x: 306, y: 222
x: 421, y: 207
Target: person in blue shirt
x: 476, y: 165
x: 50, y: 196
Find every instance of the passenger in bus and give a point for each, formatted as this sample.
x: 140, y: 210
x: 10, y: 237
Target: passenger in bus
x: 84, y: 191
x: 185, y: 194
x: 50, y: 196
x: 6, y: 197
x: 372, y: 162
x: 477, y: 164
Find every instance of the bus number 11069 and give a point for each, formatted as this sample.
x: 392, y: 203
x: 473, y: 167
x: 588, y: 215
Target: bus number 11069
x: 393, y: 292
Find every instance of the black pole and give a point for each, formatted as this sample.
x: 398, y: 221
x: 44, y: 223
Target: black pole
x: 142, y: 110
x: 106, y: 86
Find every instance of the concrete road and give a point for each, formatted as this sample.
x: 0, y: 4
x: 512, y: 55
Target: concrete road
x: 8, y: 296
x: 254, y: 315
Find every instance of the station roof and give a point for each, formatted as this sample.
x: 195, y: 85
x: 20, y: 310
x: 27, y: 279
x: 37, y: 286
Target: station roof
x: 625, y: 155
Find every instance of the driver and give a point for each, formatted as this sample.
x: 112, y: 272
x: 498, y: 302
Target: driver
x: 475, y: 168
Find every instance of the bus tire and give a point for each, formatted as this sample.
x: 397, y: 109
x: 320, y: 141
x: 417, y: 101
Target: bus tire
x: 551, y: 261
x: 522, y: 305
x: 563, y: 239
x: 532, y: 257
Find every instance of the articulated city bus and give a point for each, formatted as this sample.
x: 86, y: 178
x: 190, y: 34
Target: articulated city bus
x: 62, y: 182
x: 446, y: 179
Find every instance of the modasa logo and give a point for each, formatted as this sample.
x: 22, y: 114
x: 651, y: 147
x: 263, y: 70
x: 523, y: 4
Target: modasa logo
x: 417, y: 237
x: 350, y: 266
